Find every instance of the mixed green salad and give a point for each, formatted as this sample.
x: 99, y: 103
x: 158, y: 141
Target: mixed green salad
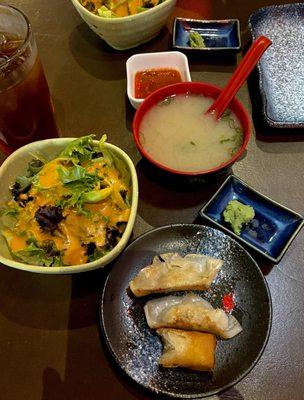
x: 70, y: 210
x: 118, y: 8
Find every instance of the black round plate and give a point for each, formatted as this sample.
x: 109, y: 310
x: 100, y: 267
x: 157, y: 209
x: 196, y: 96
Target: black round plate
x: 137, y: 348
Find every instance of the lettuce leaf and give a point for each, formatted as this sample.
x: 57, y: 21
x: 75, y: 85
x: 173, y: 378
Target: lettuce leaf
x: 78, y: 181
x: 123, y: 169
x: 141, y: 9
x: 109, y: 4
x: 94, y: 196
x: 105, y: 12
x: 11, y: 211
x: 112, y: 159
x: 8, y: 216
x: 107, y: 154
x: 34, y: 167
x: 77, y: 173
x: 46, y: 255
x: 72, y: 200
x: 81, y: 149
x: 24, y: 182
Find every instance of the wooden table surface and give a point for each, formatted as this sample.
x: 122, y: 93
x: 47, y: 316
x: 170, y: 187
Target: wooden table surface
x: 50, y: 347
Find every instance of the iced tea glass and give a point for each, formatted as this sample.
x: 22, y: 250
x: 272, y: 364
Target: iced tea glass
x: 26, y: 110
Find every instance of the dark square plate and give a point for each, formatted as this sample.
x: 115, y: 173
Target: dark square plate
x: 270, y: 232
x: 218, y: 35
x: 281, y: 69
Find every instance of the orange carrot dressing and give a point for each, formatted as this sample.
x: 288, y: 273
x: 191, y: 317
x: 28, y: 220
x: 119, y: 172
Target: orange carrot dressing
x: 75, y: 229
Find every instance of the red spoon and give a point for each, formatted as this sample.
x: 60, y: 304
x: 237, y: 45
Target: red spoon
x: 239, y: 76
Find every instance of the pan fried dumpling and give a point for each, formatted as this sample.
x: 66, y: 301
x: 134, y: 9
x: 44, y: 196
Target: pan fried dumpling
x: 190, y: 312
x: 194, y: 350
x: 170, y: 272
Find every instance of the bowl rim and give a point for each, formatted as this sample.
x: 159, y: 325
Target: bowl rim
x: 158, y: 94
x: 106, y: 259
x: 166, y: 55
x: 81, y: 8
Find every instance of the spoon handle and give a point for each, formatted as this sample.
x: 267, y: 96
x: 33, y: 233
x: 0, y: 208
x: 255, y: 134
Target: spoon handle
x: 239, y: 76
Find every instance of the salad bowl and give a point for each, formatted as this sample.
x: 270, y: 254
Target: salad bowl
x: 124, y: 33
x: 16, y: 164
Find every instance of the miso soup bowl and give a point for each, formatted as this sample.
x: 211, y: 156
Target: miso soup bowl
x: 190, y: 88
x: 16, y: 164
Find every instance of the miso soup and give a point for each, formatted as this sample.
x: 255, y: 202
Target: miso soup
x: 177, y: 134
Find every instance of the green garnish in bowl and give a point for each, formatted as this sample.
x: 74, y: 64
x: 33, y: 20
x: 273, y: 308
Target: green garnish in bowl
x: 196, y: 40
x: 237, y: 214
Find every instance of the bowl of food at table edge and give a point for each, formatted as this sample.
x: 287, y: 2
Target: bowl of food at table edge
x: 124, y: 24
x: 68, y: 205
x: 172, y: 130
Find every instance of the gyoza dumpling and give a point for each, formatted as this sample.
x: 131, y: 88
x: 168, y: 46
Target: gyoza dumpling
x: 190, y: 312
x: 170, y: 272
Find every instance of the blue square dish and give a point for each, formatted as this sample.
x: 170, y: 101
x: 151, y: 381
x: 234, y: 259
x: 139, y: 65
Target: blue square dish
x: 270, y: 232
x: 218, y: 35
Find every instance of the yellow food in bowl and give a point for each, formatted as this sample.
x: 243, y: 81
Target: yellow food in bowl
x: 71, y: 210
x: 118, y: 8
x: 126, y: 32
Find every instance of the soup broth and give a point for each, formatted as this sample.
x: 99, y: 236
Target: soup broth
x: 177, y: 134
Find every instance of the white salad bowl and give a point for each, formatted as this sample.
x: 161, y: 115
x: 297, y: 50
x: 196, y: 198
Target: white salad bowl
x: 16, y: 164
x: 124, y: 33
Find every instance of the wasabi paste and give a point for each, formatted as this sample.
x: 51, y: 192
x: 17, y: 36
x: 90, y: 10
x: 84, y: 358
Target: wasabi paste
x: 196, y: 40
x: 237, y: 215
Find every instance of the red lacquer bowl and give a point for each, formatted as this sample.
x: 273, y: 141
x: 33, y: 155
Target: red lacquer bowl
x: 195, y: 88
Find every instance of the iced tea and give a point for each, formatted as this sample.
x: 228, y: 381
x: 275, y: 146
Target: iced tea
x: 26, y: 111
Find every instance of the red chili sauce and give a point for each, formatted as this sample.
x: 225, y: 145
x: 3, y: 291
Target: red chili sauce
x: 228, y: 302
x: 150, y: 80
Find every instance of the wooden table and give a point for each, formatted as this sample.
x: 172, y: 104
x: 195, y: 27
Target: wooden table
x: 50, y: 347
